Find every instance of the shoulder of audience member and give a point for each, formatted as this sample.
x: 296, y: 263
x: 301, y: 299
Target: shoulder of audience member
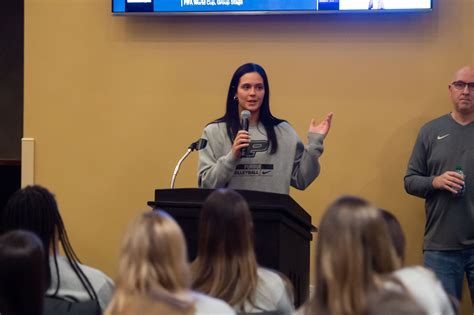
x: 209, y: 305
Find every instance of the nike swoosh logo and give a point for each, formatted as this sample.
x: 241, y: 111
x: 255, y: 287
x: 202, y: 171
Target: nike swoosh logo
x: 442, y: 137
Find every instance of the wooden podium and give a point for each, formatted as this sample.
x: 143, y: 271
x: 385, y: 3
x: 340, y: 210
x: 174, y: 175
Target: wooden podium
x: 282, y: 229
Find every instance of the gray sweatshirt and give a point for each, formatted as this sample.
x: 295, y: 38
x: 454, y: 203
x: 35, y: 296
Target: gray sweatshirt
x: 443, y: 144
x: 70, y: 285
x: 293, y: 164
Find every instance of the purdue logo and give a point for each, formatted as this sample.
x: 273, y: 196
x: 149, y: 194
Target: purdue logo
x: 256, y: 146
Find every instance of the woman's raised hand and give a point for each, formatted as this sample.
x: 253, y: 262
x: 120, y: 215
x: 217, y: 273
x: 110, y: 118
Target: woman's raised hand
x: 323, y: 127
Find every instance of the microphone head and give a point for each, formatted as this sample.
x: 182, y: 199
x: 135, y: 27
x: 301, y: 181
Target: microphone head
x: 198, y: 145
x: 245, y: 114
x: 201, y: 144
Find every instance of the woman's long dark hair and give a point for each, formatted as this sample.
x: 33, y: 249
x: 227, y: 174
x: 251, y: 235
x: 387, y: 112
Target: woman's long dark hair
x: 396, y: 233
x: 225, y: 266
x: 34, y: 209
x: 231, y: 116
x: 22, y: 281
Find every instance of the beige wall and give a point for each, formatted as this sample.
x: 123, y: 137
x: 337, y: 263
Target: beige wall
x: 114, y: 101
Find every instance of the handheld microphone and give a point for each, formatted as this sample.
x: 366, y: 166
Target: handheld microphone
x: 244, y: 122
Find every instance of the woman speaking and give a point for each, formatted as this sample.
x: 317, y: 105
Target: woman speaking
x: 269, y: 156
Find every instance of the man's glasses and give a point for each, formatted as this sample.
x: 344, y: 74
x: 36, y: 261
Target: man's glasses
x: 461, y: 85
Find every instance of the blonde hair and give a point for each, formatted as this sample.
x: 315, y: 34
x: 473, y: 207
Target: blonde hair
x: 153, y: 266
x: 226, y: 267
x: 353, y: 250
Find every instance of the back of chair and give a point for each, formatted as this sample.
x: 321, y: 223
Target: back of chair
x: 59, y: 306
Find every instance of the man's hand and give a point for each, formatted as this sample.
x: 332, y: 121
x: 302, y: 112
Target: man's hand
x: 450, y: 181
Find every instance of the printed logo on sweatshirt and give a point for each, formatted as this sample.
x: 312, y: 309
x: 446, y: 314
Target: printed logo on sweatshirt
x: 254, y: 170
x: 442, y: 137
x: 256, y: 146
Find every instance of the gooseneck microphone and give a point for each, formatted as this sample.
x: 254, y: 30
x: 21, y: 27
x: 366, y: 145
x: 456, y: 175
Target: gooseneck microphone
x: 197, y: 145
x: 244, y: 122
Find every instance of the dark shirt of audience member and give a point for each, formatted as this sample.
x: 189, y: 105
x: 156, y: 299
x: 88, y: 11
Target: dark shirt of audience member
x: 22, y: 276
x: 393, y: 303
x: 153, y: 273
x: 226, y: 267
x: 396, y: 234
x: 35, y: 209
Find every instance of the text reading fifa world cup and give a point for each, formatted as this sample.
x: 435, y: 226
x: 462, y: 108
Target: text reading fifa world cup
x: 212, y: 2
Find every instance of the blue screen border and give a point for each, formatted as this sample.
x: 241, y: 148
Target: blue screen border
x: 119, y: 8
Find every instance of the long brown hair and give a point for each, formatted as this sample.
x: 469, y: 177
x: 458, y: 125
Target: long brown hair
x: 153, y: 267
x: 396, y: 233
x: 225, y: 266
x: 353, y: 250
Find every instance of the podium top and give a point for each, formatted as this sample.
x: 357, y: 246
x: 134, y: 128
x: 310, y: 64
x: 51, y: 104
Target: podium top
x: 257, y: 200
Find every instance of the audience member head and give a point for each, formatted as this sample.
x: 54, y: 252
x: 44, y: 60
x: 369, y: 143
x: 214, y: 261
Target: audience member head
x: 396, y: 234
x: 22, y: 274
x: 225, y: 266
x: 353, y: 250
x: 153, y: 266
x: 35, y: 209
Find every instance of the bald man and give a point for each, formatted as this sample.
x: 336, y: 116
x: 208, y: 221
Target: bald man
x: 443, y: 145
